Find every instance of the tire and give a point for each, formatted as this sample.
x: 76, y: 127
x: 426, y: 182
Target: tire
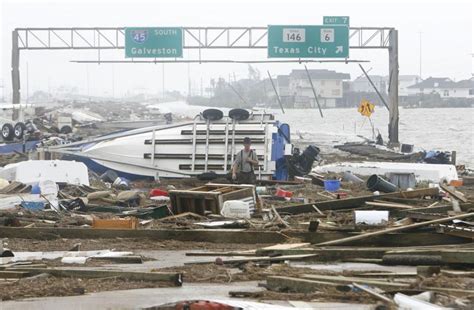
x: 19, y: 130
x: 7, y: 132
x: 66, y: 129
x: 239, y: 114
x: 212, y: 114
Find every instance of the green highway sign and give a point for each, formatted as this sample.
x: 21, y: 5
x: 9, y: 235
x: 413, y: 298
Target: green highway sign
x: 331, y: 41
x: 336, y: 20
x: 153, y: 42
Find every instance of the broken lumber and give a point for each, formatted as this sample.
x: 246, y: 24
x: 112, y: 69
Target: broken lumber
x: 373, y: 293
x: 172, y: 277
x: 279, y: 248
x: 296, y: 285
x: 228, y: 236
x: 412, y: 260
x: 132, y: 259
x: 348, y: 203
x: 257, y: 259
x: 395, y: 229
x: 453, y: 193
x: 350, y: 280
x: 229, y: 253
x: 388, y: 205
x: 7, y: 274
x: 447, y: 256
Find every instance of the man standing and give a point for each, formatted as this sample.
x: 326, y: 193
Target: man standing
x: 243, y: 167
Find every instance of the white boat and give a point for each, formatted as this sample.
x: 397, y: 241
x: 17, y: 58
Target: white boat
x: 33, y: 171
x: 187, y: 149
x: 422, y: 171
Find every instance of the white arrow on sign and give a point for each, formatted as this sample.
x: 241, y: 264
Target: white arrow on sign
x: 339, y: 49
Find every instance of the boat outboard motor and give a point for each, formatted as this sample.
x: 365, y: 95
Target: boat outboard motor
x: 212, y: 114
x: 239, y: 114
x: 300, y: 164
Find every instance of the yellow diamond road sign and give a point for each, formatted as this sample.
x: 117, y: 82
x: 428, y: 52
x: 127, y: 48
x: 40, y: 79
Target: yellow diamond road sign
x: 366, y: 108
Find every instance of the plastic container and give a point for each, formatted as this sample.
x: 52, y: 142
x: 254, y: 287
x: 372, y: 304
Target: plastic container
x: 3, y: 183
x: 332, y: 185
x: 456, y: 183
x: 33, y: 205
x: 261, y: 190
x: 158, y: 192
x: 121, y: 183
x: 282, y: 193
x: 35, y: 189
x: 376, y: 183
x: 236, y: 209
x: 349, y: 177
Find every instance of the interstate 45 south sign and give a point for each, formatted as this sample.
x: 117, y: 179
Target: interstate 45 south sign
x: 153, y: 42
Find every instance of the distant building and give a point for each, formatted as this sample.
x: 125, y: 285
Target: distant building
x: 296, y: 87
x: 444, y: 87
x: 362, y: 84
x: 405, y: 81
x: 283, y: 83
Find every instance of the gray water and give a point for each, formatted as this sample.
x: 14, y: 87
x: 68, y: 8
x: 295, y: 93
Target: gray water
x: 444, y: 129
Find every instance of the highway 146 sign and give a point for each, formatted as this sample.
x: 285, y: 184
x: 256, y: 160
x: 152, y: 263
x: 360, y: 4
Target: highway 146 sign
x: 154, y: 42
x: 328, y: 41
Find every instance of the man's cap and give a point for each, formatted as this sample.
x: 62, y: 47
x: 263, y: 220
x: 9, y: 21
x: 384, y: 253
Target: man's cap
x: 247, y: 140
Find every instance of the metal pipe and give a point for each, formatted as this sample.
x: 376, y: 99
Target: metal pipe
x: 153, y: 144
x: 212, y: 60
x: 206, y: 156
x: 314, y: 91
x: 373, y: 85
x: 276, y: 93
x: 226, y: 147
x: 238, y: 94
x: 193, y: 152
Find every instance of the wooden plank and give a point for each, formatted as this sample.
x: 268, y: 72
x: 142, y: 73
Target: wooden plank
x: 9, y: 274
x: 456, y: 273
x: 453, y: 193
x: 258, y: 259
x: 135, y: 259
x: 467, y: 180
x: 229, y: 236
x: 350, y: 280
x: 373, y: 293
x: 450, y: 256
x: 348, y: 203
x: 396, y: 229
x: 230, y: 253
x: 384, y: 274
x: 172, y: 277
x: 388, y: 205
x: 437, y: 209
x: 282, y: 247
x: 296, y: 285
x: 238, y: 194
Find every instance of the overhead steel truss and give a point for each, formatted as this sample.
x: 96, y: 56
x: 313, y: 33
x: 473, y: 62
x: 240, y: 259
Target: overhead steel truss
x: 108, y: 38
x: 194, y: 38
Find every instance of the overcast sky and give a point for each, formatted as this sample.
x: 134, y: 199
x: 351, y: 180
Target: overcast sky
x: 446, y: 32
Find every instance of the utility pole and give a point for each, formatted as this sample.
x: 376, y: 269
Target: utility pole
x: 202, y: 94
x: 393, y: 87
x: 163, y: 79
x: 27, y: 83
x: 420, y: 56
x: 15, y: 68
x: 113, y: 82
x: 87, y: 82
x: 189, y: 81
